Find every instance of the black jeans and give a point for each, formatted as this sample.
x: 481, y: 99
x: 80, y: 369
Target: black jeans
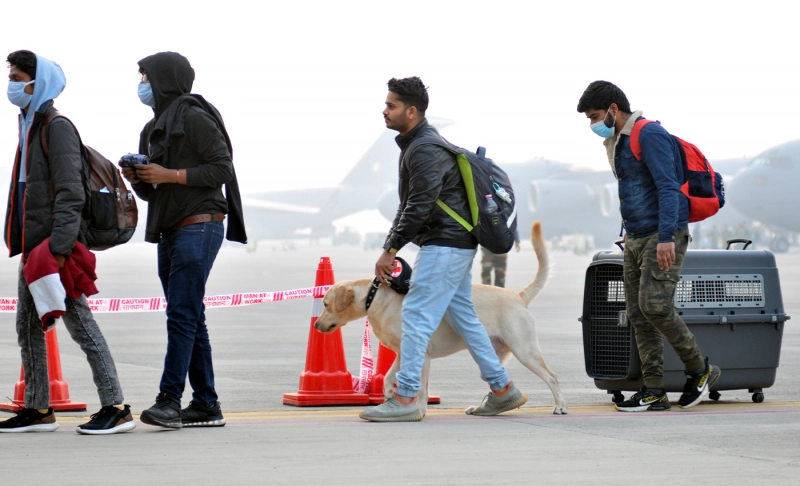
x: 185, y: 258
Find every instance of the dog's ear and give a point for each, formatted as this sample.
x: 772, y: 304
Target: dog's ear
x: 343, y: 299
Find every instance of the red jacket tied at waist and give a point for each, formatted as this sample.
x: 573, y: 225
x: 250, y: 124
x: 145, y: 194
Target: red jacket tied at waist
x: 50, y: 285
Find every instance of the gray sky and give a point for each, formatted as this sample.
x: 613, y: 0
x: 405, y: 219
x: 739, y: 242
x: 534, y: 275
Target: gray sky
x: 301, y: 84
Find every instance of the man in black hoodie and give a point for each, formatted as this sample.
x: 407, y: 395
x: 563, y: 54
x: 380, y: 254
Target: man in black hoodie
x: 191, y: 159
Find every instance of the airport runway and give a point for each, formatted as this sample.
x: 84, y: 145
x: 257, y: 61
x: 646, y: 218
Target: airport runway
x: 259, y: 352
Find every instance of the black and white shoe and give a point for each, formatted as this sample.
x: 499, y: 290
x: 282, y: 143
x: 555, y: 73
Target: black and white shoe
x: 164, y: 413
x: 697, y: 386
x: 199, y: 415
x: 109, y: 420
x: 646, y: 400
x: 30, y: 420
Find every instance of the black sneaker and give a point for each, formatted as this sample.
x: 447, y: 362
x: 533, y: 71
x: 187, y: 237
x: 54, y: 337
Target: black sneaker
x: 165, y: 413
x: 697, y: 386
x: 646, y: 400
x: 30, y: 420
x: 198, y: 415
x: 109, y: 420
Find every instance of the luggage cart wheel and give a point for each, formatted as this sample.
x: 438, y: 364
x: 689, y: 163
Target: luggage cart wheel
x: 618, y: 397
x: 758, y: 397
x: 714, y: 395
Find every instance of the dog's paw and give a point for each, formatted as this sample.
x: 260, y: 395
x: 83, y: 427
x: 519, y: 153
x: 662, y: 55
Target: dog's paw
x: 560, y: 410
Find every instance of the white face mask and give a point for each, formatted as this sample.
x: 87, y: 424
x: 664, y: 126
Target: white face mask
x: 17, y: 95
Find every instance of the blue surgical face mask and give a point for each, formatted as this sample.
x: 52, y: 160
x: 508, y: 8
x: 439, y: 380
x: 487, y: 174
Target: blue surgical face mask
x: 146, y: 95
x: 602, y: 129
x: 17, y: 95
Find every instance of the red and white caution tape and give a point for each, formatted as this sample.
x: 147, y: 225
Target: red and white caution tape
x: 151, y: 304
x: 361, y: 384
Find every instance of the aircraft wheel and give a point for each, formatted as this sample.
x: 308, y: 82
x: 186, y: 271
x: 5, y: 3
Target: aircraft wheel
x: 779, y: 244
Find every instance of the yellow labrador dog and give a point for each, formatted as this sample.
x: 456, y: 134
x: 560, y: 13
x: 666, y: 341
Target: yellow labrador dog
x: 503, y: 312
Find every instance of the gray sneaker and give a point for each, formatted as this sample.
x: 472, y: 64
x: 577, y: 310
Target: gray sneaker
x: 393, y: 410
x: 499, y: 401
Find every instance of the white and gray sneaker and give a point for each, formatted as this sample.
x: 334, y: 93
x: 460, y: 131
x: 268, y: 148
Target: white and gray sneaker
x: 499, y: 401
x: 394, y: 410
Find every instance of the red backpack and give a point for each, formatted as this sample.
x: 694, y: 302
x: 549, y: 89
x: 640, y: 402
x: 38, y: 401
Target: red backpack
x: 702, y: 186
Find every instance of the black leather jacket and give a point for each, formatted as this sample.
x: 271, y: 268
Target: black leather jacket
x: 428, y: 173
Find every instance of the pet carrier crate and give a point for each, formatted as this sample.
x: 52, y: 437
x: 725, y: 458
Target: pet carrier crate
x: 730, y: 300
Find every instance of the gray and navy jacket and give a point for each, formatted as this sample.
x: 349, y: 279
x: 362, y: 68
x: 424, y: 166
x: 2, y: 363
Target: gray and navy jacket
x: 650, y: 200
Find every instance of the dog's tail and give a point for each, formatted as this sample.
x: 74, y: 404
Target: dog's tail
x: 532, y: 290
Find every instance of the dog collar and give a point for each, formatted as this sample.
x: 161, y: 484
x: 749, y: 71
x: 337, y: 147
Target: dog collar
x: 373, y: 289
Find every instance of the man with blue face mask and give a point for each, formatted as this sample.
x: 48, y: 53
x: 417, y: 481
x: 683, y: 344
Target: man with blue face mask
x: 46, y: 199
x: 191, y: 161
x: 655, y: 217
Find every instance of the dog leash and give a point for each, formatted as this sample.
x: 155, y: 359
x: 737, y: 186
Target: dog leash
x: 373, y: 289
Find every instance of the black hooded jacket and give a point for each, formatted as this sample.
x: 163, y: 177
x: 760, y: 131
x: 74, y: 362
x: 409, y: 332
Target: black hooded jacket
x: 187, y: 133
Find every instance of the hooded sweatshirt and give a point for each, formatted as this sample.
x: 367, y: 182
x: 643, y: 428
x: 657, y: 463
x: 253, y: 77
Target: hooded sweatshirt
x: 187, y: 133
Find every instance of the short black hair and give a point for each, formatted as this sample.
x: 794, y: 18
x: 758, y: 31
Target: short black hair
x: 599, y: 96
x: 25, y: 61
x: 411, y: 92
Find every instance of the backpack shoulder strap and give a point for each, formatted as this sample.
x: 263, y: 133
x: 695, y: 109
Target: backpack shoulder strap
x: 44, y: 131
x: 636, y: 147
x: 439, y: 141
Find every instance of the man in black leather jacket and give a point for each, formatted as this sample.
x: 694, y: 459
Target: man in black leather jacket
x: 442, y: 279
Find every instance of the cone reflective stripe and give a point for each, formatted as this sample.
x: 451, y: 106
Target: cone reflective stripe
x: 59, y: 389
x: 386, y: 359
x: 325, y: 380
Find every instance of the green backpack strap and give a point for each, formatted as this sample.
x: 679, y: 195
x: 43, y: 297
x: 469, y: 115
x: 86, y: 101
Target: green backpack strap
x: 466, y: 175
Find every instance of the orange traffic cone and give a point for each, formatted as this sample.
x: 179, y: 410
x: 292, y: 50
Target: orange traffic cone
x: 325, y: 380
x: 59, y: 390
x: 386, y: 359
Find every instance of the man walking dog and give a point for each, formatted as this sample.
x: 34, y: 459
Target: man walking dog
x: 442, y: 279
x: 655, y: 217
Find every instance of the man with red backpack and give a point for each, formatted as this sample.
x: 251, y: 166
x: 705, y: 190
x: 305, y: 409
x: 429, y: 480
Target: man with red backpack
x: 655, y: 216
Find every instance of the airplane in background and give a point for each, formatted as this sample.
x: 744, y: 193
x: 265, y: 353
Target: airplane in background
x: 766, y: 190
x: 285, y: 214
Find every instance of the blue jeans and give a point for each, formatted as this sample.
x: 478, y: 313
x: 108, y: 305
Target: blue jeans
x: 442, y: 283
x: 185, y: 258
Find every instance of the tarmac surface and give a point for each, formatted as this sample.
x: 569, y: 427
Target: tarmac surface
x: 259, y: 353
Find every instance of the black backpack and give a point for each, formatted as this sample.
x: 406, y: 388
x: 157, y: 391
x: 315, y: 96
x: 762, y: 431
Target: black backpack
x: 108, y: 218
x: 493, y: 228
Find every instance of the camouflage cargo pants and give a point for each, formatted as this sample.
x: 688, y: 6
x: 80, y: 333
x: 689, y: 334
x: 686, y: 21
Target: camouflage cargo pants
x: 650, y: 302
x: 491, y: 261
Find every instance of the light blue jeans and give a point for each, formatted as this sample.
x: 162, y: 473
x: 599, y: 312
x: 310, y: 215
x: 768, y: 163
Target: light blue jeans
x: 442, y: 283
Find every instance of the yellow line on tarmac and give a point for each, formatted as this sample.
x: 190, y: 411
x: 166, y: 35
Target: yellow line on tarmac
x: 352, y: 413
